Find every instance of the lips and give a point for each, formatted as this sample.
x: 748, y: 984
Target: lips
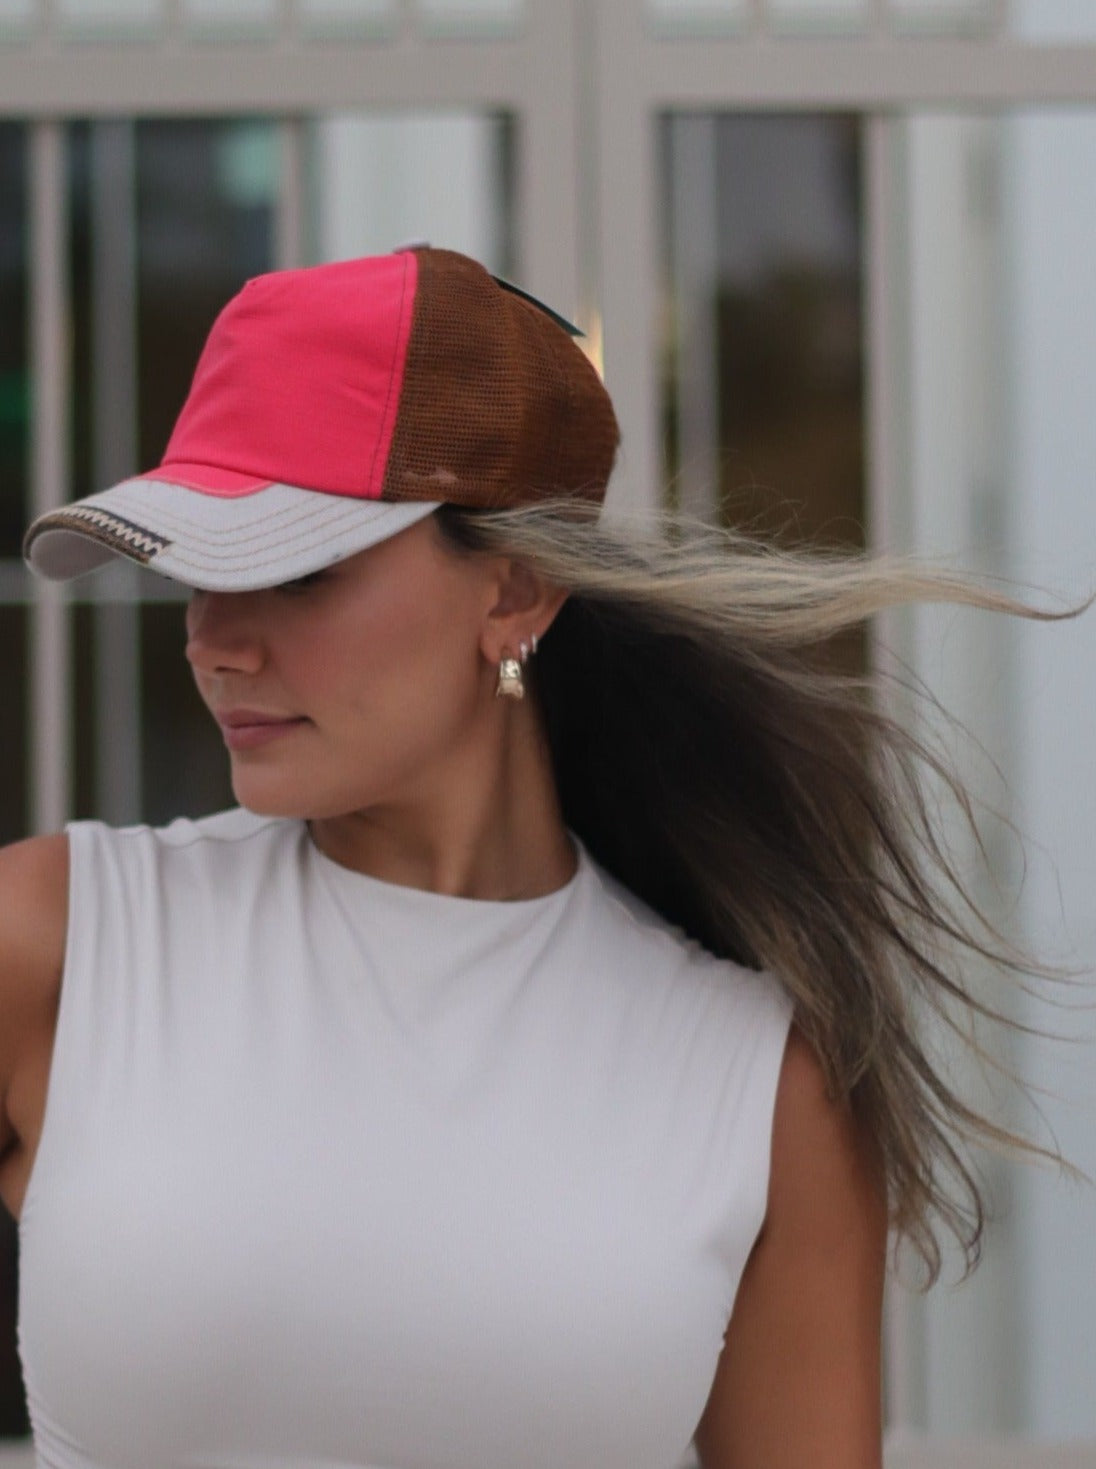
x: 241, y: 718
x: 246, y: 729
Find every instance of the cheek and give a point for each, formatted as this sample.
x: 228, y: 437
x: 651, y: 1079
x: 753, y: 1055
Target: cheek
x: 415, y: 675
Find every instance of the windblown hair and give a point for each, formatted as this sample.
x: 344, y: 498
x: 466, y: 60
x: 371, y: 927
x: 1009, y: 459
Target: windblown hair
x: 773, y: 809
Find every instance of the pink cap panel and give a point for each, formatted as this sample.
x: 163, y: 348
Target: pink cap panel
x: 305, y: 396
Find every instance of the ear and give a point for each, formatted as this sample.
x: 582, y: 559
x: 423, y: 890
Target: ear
x: 525, y: 607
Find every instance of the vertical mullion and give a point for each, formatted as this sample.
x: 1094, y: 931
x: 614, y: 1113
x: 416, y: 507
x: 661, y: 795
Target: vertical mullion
x: 694, y: 268
x: 587, y: 165
x: 50, y: 712
x: 628, y: 250
x: 290, y: 222
x: 878, y: 190
x: 903, y: 1325
x: 117, y: 625
x: 548, y: 157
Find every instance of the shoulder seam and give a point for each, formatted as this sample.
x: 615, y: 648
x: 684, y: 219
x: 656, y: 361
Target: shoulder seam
x: 192, y: 840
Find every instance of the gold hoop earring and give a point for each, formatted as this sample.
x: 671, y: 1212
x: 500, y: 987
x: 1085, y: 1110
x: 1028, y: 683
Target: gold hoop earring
x: 511, y: 684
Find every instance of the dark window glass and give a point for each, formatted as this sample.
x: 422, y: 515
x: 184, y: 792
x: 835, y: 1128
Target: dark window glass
x: 779, y: 279
x: 13, y: 723
x: 13, y: 818
x: 13, y: 1407
x: 205, y: 223
x: 14, y: 385
x: 763, y: 374
x: 184, y: 761
x: 201, y: 195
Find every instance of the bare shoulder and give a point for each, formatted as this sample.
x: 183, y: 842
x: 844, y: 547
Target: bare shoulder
x: 799, y: 1377
x: 33, y: 919
x: 825, y: 1166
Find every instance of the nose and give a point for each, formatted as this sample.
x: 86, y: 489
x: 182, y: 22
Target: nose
x: 222, y: 633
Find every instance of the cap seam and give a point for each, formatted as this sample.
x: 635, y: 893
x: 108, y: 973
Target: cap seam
x: 261, y: 481
x: 398, y: 363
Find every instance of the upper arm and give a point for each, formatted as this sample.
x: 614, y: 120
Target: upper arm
x: 799, y: 1378
x: 33, y: 918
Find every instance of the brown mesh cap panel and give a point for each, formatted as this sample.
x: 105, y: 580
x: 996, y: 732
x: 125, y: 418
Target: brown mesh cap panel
x: 499, y: 407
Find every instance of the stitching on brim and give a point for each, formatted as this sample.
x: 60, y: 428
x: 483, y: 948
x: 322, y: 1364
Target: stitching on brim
x: 287, y: 520
x: 250, y: 563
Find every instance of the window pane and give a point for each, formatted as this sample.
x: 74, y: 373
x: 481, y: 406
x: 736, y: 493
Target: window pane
x: 14, y: 384
x: 205, y: 197
x: 169, y: 219
x: 994, y: 457
x: 14, y: 405
x: 13, y: 825
x: 384, y: 179
x: 16, y: 19
x: 13, y: 717
x: 185, y: 764
x: 206, y: 193
x: 993, y: 288
x: 13, y: 1410
x: 1048, y: 224
x: 763, y: 401
x: 1054, y: 20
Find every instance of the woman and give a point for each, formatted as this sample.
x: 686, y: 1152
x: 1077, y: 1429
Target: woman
x: 444, y: 1104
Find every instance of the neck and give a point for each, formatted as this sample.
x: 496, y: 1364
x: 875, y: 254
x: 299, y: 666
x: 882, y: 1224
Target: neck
x: 487, y: 825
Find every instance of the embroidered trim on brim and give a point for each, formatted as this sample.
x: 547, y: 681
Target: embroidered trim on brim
x: 110, y: 530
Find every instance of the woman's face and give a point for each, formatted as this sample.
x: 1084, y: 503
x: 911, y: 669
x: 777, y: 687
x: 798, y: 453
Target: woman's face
x: 356, y: 686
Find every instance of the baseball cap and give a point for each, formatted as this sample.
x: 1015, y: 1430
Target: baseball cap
x: 336, y: 405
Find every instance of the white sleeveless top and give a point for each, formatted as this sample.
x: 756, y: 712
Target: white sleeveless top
x: 339, y: 1173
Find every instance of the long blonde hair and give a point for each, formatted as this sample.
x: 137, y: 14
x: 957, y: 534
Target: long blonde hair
x: 773, y: 809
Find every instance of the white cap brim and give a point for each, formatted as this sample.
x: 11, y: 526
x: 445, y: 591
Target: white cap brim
x: 224, y: 543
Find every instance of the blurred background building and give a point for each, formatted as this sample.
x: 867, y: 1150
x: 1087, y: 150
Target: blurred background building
x: 838, y: 258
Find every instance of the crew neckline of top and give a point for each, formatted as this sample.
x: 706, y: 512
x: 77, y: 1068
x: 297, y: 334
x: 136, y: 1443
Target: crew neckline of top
x: 450, y: 902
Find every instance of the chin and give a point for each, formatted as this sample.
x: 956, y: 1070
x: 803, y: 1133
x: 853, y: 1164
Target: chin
x: 264, y: 794
x: 270, y: 797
